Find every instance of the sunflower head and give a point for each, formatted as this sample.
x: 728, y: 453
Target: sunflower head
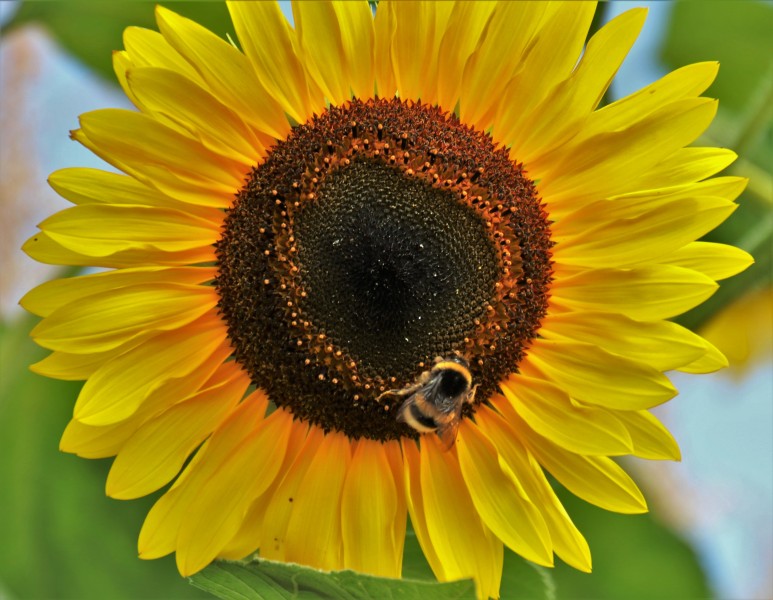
x: 342, y: 240
x: 376, y: 237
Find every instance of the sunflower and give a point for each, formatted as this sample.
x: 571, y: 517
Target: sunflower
x: 305, y: 222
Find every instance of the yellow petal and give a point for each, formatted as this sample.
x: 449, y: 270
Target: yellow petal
x: 650, y: 438
x: 717, y: 261
x: 44, y: 249
x: 137, y: 140
x: 645, y: 237
x: 218, y: 508
x: 159, y: 176
x: 267, y: 40
x: 415, y: 499
x: 394, y: 456
x: 122, y: 64
x: 196, y: 111
x: 158, y: 536
x: 589, y: 374
x: 226, y: 71
x: 160, y: 531
x: 314, y: 529
x: 100, y: 441
x: 469, y: 548
x: 551, y: 54
x: 549, y: 411
x: 548, y: 60
x: 357, y: 37
x: 685, y: 166
x: 110, y: 318
x: 632, y: 205
x: 147, y: 48
x: 642, y: 293
x: 712, y: 361
x: 419, y: 28
x: 337, y: 44
x: 465, y: 26
x: 49, y: 296
x: 120, y: 386
x: 89, y: 441
x: 687, y: 82
x: 500, y: 500
x: 369, y: 507
x: 159, y: 448
x: 660, y: 344
x: 597, y: 479
x: 567, y: 540
x: 251, y: 534
x: 509, y: 33
x: 73, y: 367
x: 81, y: 185
x: 281, y: 506
x: 103, y: 230
x: 565, y: 107
x: 384, y: 25
x: 602, y: 165
x: 247, y: 538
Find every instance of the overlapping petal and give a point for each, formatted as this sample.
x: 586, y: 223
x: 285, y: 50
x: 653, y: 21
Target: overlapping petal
x: 370, y: 507
x: 470, y: 549
x: 267, y: 39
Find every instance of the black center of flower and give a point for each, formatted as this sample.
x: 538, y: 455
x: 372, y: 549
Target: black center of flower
x: 375, y: 238
x: 396, y: 270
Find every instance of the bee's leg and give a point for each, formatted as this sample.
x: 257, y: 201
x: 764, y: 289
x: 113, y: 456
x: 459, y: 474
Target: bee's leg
x: 387, y: 393
x: 398, y: 393
x: 471, y: 394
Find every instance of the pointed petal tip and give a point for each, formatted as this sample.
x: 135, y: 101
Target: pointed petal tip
x: 162, y: 12
x: 586, y: 567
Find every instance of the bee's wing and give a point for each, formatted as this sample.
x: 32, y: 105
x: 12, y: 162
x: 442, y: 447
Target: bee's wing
x: 448, y: 430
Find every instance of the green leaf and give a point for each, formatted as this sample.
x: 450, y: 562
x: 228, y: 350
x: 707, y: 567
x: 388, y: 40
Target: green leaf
x: 91, y: 30
x: 520, y: 578
x: 61, y: 536
x: 267, y: 580
x: 415, y: 565
x: 523, y: 580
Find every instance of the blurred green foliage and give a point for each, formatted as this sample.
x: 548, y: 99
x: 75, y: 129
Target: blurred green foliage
x: 634, y: 557
x: 737, y: 34
x: 63, y: 538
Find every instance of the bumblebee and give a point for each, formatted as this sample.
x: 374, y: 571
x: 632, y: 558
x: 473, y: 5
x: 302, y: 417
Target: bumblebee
x: 434, y: 402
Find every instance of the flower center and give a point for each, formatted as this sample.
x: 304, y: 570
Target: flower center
x: 375, y: 238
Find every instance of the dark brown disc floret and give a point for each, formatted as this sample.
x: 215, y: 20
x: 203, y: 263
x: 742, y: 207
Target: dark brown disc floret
x: 376, y: 237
